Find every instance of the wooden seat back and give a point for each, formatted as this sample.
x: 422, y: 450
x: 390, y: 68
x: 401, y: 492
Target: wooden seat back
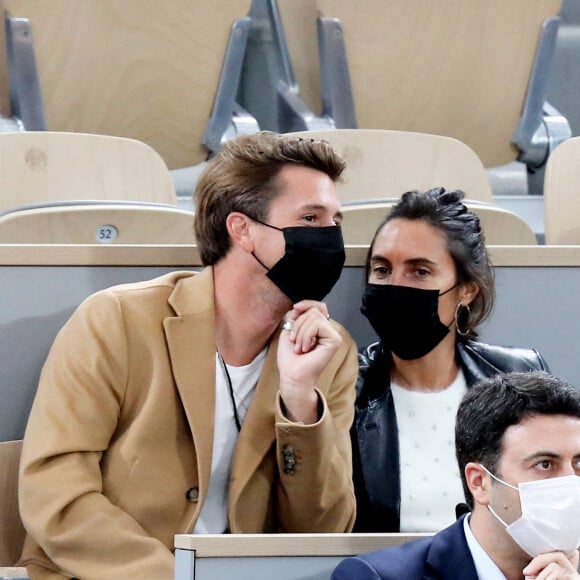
x: 562, y: 194
x: 143, y: 70
x: 384, y: 163
x: 45, y: 166
x: 500, y: 226
x: 98, y: 223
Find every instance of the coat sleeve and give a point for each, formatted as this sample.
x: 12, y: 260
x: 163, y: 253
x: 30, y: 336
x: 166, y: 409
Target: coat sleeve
x: 73, y: 418
x: 315, y: 490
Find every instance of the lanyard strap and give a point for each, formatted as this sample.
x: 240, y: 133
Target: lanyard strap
x: 230, y: 389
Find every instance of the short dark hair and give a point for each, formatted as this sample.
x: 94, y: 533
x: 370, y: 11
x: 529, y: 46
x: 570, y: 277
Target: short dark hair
x: 242, y: 177
x: 494, y: 404
x: 445, y: 211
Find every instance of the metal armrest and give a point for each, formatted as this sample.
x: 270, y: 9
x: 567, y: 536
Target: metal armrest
x: 27, y: 112
x: 541, y: 126
x: 228, y: 118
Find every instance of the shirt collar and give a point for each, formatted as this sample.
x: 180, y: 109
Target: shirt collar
x: 485, y: 567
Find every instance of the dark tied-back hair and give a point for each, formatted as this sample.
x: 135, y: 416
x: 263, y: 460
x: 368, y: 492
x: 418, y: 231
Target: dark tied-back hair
x: 445, y: 211
x: 243, y: 176
x: 493, y: 405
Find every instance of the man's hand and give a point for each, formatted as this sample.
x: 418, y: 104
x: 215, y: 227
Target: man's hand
x: 553, y: 566
x: 306, y: 345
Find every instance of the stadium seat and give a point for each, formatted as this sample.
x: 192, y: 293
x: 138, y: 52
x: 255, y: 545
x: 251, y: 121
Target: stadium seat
x: 501, y: 227
x: 97, y: 223
x: 384, y: 164
x: 562, y: 194
x: 44, y: 166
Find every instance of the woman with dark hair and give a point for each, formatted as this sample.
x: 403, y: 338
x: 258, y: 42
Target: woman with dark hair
x: 430, y: 284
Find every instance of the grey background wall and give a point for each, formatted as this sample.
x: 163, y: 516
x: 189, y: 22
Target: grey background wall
x: 536, y: 307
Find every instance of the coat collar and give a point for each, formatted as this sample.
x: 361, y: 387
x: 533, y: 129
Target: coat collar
x: 376, y: 367
x: 194, y: 294
x: 474, y: 366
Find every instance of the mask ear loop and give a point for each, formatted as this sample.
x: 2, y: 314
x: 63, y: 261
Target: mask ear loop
x: 265, y: 224
x: 268, y: 226
x: 503, y: 483
x: 497, y: 517
x: 457, y: 313
x: 498, y: 479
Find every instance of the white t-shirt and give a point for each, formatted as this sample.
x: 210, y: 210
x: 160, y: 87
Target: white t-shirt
x: 213, y: 517
x: 430, y: 481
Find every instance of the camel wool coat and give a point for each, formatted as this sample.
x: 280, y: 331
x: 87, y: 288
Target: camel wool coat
x: 117, y: 450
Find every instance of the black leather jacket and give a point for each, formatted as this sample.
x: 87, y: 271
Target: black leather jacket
x: 374, y: 432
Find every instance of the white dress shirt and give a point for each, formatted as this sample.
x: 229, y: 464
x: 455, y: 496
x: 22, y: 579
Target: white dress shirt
x: 485, y: 567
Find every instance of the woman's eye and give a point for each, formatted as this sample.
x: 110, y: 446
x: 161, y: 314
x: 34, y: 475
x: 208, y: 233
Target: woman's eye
x: 309, y: 218
x: 422, y: 272
x: 381, y: 270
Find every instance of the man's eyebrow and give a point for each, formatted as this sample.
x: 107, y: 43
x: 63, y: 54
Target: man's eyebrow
x: 312, y: 206
x: 319, y: 207
x: 539, y: 454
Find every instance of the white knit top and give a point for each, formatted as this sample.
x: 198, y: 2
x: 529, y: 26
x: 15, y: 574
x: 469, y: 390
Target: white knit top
x: 430, y: 482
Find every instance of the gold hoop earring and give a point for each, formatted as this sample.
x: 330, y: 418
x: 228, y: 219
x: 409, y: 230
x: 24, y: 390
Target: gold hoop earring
x: 457, y: 313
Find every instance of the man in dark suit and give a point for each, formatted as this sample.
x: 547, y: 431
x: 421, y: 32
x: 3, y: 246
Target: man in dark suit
x: 517, y: 439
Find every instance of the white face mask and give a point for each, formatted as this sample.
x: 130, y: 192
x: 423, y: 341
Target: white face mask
x: 550, y: 519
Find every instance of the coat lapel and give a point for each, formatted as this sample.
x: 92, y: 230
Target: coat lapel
x: 258, y: 431
x: 190, y: 339
x: 377, y: 436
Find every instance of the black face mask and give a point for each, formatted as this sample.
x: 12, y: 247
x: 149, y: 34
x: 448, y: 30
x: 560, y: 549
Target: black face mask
x: 406, y: 319
x: 311, y: 264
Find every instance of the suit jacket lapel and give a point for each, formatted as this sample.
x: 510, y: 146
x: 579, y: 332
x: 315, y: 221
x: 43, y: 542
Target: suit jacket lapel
x: 449, y: 556
x: 191, y: 343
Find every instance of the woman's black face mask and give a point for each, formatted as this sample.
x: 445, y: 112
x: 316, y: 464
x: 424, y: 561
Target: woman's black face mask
x: 311, y: 264
x: 405, y: 318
